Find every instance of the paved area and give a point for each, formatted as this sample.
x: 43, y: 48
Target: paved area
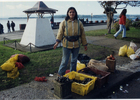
x: 18, y: 34
x: 44, y: 90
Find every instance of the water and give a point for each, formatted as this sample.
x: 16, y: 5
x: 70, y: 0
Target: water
x: 24, y: 21
x: 57, y: 19
x: 18, y: 22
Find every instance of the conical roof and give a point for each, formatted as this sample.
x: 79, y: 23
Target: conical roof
x: 40, y: 7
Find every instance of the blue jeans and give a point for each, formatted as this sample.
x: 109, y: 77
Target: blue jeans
x: 65, y: 58
x: 122, y: 27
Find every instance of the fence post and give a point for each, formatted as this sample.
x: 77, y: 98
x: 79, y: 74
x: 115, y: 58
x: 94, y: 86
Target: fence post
x: 4, y: 40
x: 30, y: 48
x: 15, y: 45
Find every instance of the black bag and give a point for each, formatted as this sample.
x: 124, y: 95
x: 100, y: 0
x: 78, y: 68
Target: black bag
x: 72, y: 38
x: 83, y: 58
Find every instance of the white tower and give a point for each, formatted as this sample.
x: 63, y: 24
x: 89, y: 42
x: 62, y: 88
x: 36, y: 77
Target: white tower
x: 38, y: 31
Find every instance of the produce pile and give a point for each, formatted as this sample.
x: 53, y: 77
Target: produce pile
x: 111, y: 57
x: 65, y: 80
x: 85, y: 81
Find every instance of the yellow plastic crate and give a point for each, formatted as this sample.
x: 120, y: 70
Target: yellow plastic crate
x: 81, y: 89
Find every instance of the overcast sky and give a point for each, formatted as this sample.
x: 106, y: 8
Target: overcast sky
x: 15, y: 8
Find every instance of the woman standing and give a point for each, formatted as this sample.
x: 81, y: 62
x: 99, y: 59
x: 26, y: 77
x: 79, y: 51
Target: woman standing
x: 72, y: 34
x: 122, y: 23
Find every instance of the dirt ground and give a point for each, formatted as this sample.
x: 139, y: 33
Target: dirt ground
x: 129, y: 90
x: 121, y: 60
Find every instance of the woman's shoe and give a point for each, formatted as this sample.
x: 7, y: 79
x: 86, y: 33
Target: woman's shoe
x: 124, y: 37
x: 115, y: 37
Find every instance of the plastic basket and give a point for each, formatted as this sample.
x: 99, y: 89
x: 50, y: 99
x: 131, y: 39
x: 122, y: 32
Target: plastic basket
x: 100, y: 80
x: 81, y: 89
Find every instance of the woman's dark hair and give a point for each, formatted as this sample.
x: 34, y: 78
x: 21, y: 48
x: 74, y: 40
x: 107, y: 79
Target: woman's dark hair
x: 123, y: 12
x: 67, y: 17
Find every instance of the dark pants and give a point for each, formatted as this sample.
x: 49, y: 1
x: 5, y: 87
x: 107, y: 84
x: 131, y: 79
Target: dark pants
x: 13, y: 29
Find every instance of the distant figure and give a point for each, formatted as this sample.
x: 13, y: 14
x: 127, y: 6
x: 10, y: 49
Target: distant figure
x: 13, y: 25
x: 87, y: 20
x: 122, y: 23
x: 52, y: 21
x: 8, y: 26
x: 1, y: 28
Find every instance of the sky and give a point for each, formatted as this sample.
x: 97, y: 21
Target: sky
x: 15, y: 8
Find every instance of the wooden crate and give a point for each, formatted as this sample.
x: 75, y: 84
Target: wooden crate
x: 62, y: 90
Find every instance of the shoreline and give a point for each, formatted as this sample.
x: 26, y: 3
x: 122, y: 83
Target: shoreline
x: 84, y: 24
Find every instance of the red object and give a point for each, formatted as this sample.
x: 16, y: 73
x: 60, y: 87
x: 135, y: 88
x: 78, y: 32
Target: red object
x: 19, y: 65
x: 122, y: 20
x: 22, y: 58
x: 67, y: 71
x: 41, y: 79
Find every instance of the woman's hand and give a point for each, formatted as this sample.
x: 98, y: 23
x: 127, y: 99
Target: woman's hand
x: 56, y: 44
x: 85, y: 48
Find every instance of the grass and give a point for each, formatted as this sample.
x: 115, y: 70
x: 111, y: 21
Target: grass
x: 41, y: 63
x: 132, y: 35
x: 100, y: 32
x: 45, y: 62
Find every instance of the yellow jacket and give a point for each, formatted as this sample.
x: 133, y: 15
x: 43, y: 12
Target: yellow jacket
x: 72, y: 31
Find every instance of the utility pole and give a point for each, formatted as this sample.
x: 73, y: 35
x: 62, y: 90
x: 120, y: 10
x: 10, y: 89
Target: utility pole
x: 91, y: 16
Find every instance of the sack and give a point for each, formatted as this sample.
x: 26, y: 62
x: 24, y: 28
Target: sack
x: 130, y: 51
x: 136, y: 55
x: 9, y: 64
x: 80, y: 66
x: 22, y: 58
x: 133, y: 46
x: 97, y: 65
x: 19, y: 65
x: 123, y: 50
x: 13, y: 74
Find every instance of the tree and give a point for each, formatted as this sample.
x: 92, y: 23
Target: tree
x: 111, y: 6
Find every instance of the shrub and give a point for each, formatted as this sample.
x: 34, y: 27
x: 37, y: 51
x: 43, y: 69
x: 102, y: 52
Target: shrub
x: 136, y: 24
x: 116, y: 26
x: 128, y: 24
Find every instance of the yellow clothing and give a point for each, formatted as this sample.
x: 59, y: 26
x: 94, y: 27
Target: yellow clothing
x: 72, y: 31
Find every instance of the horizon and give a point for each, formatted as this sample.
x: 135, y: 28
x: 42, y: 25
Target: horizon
x: 65, y: 15
x: 15, y: 9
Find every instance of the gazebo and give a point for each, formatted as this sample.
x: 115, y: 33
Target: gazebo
x: 38, y: 31
x: 40, y: 9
